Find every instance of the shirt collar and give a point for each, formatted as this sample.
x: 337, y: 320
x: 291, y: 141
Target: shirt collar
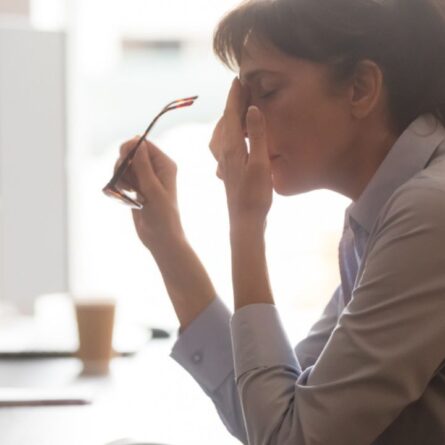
x: 409, y: 155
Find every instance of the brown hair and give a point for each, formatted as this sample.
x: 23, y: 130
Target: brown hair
x: 406, y: 38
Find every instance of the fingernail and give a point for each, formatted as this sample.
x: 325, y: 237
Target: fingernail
x: 254, y: 118
x: 253, y: 112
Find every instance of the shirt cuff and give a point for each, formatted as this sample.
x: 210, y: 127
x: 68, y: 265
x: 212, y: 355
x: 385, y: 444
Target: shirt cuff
x: 204, y: 348
x: 259, y: 340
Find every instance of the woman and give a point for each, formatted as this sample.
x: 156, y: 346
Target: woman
x: 347, y: 95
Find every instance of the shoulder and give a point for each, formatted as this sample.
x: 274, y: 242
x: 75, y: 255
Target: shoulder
x: 418, y: 203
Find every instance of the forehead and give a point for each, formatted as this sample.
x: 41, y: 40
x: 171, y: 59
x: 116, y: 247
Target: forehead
x: 258, y: 55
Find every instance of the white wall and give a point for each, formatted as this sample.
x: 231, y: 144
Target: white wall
x: 20, y: 7
x: 33, y: 218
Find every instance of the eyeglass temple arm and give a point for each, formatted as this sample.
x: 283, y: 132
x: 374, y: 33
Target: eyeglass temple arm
x: 178, y: 104
x: 181, y: 103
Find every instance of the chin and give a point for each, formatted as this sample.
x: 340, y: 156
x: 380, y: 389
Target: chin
x: 283, y: 189
x: 287, y: 188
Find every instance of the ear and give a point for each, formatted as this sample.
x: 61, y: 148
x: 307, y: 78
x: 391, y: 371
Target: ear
x: 366, y: 88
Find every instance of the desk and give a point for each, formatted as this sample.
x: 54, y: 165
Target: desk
x: 147, y: 396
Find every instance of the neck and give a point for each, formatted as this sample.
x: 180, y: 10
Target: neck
x: 361, y: 161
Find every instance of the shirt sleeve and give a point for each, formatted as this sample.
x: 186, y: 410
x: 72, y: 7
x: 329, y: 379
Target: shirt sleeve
x: 309, y: 349
x: 382, y: 354
x: 204, y: 350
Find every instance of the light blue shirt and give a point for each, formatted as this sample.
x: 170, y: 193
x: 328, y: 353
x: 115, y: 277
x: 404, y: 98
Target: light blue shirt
x: 372, y: 369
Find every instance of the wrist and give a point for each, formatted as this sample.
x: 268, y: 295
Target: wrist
x: 186, y: 280
x: 247, y: 229
x: 249, y: 268
x: 168, y: 245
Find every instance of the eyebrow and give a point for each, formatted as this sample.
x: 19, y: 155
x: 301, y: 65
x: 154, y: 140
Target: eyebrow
x: 251, y: 75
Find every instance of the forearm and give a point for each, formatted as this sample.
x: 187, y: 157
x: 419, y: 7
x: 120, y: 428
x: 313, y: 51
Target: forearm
x: 249, y: 266
x: 209, y: 338
x: 187, y: 282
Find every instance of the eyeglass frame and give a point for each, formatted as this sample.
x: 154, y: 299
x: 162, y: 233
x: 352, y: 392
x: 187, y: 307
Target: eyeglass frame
x: 110, y: 189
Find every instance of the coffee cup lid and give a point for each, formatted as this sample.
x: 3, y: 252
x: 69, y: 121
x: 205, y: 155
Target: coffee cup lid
x: 93, y: 300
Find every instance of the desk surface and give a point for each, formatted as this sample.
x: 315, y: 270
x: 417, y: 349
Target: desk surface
x: 147, y: 396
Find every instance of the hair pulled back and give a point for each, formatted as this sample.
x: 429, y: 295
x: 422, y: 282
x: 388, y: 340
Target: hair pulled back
x: 406, y: 38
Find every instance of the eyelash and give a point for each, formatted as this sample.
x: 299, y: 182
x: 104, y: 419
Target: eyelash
x: 264, y: 96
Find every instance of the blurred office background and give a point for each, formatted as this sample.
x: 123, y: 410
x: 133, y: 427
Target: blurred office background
x: 77, y: 79
x: 112, y: 65
x: 117, y: 63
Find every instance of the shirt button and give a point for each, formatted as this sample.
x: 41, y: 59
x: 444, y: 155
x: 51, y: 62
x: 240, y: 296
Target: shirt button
x: 197, y: 357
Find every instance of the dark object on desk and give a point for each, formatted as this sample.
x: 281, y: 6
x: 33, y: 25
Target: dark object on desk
x: 42, y: 354
x: 132, y: 442
x: 17, y: 403
x: 159, y: 333
x: 47, y: 349
x: 15, y: 397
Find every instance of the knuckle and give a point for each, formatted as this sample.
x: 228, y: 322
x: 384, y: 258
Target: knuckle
x: 258, y: 168
x: 229, y: 153
x: 213, y: 138
x: 124, y: 149
x: 217, y: 130
x: 228, y: 110
x: 167, y: 158
x: 146, y: 144
x: 118, y: 163
x: 220, y: 122
x: 257, y: 165
x: 214, y: 149
x: 128, y: 145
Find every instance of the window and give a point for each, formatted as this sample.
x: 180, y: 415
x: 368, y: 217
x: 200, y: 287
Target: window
x: 126, y: 64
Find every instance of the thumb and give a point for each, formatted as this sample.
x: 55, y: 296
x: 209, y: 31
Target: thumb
x: 257, y: 135
x: 145, y: 175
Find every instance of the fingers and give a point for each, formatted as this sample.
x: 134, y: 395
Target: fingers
x: 128, y: 145
x: 127, y: 180
x: 219, y: 173
x: 215, y: 142
x: 143, y: 170
x: 257, y: 135
x: 159, y: 159
x: 125, y: 148
x: 235, y: 112
x: 150, y: 167
x: 134, y: 178
x: 238, y: 100
x: 230, y: 131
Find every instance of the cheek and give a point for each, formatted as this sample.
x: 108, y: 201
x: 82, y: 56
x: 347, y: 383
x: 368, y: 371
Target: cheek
x: 278, y: 114
x: 309, y: 140
x: 311, y: 127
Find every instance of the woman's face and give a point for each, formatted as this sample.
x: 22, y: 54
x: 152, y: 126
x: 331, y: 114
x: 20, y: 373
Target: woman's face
x: 309, y: 129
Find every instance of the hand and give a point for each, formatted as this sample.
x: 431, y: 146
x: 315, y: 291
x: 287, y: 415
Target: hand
x: 247, y: 176
x: 152, y: 174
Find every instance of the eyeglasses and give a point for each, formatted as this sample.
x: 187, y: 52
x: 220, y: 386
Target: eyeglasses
x: 111, y: 188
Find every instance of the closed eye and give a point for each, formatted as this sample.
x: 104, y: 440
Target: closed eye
x: 265, y: 95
